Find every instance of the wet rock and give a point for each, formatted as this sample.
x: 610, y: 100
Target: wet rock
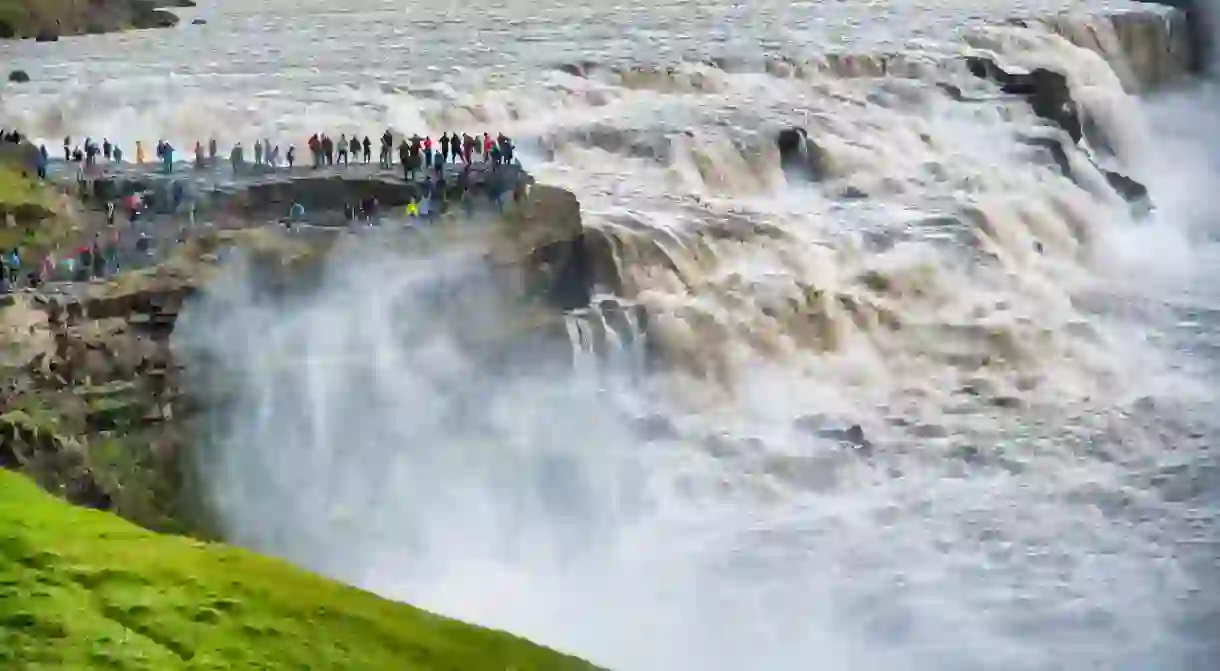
x: 1046, y: 90
x: 18, y: 76
x: 800, y: 157
x: 182, y: 3
x: 1135, y: 193
x: 198, y: 22
x: 154, y: 18
x: 46, y: 36
x: 565, y: 260
x: 655, y: 428
x: 1131, y: 190
x: 578, y: 69
x: 1201, y: 19
x: 7, y: 30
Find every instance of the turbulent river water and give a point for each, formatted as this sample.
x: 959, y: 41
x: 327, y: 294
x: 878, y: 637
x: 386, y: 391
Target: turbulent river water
x: 1032, y: 367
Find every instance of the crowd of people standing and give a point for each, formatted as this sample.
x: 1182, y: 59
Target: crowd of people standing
x: 416, y: 154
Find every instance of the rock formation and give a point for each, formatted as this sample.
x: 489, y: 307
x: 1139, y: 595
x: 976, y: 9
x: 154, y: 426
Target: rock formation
x: 800, y: 157
x: 95, y: 372
x: 1047, y: 92
x: 1200, y: 23
x: 18, y: 76
x: 47, y: 22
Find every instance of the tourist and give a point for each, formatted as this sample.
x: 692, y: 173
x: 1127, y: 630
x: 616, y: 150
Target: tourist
x: 212, y: 151
x: 387, y: 147
x: 99, y: 261
x: 444, y: 145
x: 68, y: 148
x: 14, y: 261
x: 404, y: 157
x: 118, y: 154
x: 328, y: 149
x: 342, y: 147
x: 42, y: 161
x: 237, y: 157
x: 354, y: 146
x: 427, y: 150
x: 368, y: 150
x: 139, y: 152
x: 258, y: 153
x: 267, y: 152
x: 291, y: 156
x: 455, y: 147
x: 315, y: 148
x: 273, y: 157
x: 112, y: 252
x: 168, y: 157
x: 198, y: 155
x: 110, y: 213
x: 106, y: 147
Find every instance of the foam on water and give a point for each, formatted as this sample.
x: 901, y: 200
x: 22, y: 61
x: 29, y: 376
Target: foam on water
x: 1034, y: 492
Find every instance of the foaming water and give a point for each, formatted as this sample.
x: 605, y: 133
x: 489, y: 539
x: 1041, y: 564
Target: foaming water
x: 1029, y: 365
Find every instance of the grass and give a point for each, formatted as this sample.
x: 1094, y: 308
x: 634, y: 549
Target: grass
x: 82, y: 589
x: 26, y: 17
x: 36, y: 226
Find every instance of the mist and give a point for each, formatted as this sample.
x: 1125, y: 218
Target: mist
x: 385, y: 428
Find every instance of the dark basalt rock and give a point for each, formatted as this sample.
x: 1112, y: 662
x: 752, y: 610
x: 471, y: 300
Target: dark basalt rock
x: 156, y: 18
x: 1135, y: 193
x: 18, y: 76
x: 46, y: 36
x: 799, y: 156
x: 1046, y: 90
x: 198, y: 22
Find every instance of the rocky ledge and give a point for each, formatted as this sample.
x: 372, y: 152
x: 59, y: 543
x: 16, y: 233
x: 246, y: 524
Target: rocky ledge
x: 48, y: 21
x: 94, y: 407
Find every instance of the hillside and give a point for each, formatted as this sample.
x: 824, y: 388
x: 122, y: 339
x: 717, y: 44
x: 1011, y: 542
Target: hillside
x: 83, y: 589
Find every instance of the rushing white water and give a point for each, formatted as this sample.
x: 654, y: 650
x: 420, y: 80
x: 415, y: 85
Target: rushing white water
x: 1030, y: 366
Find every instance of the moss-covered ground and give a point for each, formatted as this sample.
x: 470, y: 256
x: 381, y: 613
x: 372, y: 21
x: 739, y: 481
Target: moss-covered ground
x: 83, y: 589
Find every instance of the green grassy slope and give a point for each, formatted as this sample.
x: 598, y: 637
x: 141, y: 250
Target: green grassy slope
x: 82, y: 589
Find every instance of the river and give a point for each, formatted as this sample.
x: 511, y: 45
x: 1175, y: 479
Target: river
x: 1034, y: 367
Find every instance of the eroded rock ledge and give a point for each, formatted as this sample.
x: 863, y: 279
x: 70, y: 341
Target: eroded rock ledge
x: 48, y: 21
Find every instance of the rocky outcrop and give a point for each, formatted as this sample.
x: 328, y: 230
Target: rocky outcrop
x: 47, y: 22
x: 261, y: 192
x: 1200, y: 21
x: 96, y: 408
x: 1050, y: 97
x: 1135, y: 193
x: 1046, y: 91
x: 18, y: 76
x: 560, y: 260
x: 800, y: 157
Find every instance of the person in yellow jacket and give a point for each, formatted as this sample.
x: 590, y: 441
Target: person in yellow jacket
x: 139, y: 153
x: 412, y: 209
